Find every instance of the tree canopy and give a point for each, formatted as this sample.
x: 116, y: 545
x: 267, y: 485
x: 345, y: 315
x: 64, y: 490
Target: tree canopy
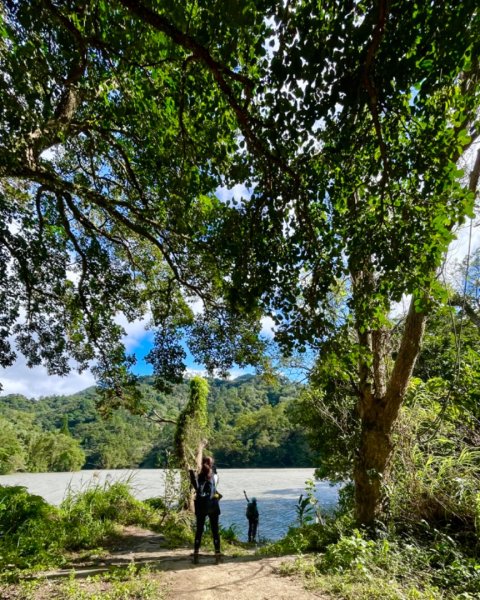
x: 344, y: 121
x: 114, y: 138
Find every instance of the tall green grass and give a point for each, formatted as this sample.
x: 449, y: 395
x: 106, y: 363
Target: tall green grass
x: 435, y: 474
x: 95, y: 513
x: 36, y: 534
x: 31, y: 531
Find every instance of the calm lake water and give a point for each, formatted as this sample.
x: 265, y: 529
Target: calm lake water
x: 276, y: 490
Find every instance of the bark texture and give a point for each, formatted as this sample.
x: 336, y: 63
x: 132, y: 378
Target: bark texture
x: 380, y: 397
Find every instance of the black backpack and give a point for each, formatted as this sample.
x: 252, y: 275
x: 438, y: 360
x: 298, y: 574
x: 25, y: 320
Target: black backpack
x: 206, y: 489
x: 252, y: 511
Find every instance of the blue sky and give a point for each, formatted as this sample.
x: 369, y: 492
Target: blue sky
x: 35, y: 382
x: 143, y: 347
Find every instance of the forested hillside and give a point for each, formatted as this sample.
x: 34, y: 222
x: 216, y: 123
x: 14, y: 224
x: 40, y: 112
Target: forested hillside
x: 248, y: 419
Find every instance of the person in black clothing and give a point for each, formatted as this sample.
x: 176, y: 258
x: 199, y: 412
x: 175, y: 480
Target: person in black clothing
x: 252, y: 516
x: 206, y: 504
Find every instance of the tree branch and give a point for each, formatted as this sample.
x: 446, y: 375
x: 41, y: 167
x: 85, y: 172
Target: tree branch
x: 405, y: 361
x: 474, y: 175
x: 49, y: 133
x: 58, y: 185
x: 464, y: 304
x: 184, y: 40
x: 157, y: 418
x: 219, y: 72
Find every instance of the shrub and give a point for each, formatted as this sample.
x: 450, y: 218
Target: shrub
x: 34, y: 533
x: 311, y: 538
x: 17, y: 506
x: 94, y: 513
x: 31, y: 530
x: 349, y: 551
x: 435, y: 473
x: 178, y: 529
x: 415, y: 569
x: 230, y: 533
x: 156, y: 503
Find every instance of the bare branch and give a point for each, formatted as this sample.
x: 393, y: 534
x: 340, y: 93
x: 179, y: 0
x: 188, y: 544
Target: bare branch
x: 157, y: 418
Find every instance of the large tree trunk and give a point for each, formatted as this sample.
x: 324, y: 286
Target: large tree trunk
x: 373, y: 453
x: 380, y: 398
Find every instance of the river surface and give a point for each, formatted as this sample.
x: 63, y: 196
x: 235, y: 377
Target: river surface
x: 277, y: 492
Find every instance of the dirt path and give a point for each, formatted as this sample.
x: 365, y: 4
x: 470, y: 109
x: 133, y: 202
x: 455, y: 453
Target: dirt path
x: 240, y: 578
x: 237, y: 577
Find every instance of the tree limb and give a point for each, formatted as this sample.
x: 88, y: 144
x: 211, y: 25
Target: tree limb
x: 405, y: 361
x: 157, y: 418
x: 56, y: 184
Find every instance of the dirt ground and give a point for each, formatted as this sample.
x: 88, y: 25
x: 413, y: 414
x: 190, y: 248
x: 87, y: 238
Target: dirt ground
x: 239, y: 578
x: 236, y: 577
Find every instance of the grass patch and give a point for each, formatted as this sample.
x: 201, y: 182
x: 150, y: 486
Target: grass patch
x: 96, y: 512
x: 120, y: 584
x: 130, y: 583
x: 428, y: 565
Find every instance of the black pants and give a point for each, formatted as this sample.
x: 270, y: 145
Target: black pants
x: 252, y: 529
x: 201, y: 526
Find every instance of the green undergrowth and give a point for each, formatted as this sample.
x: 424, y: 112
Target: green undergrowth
x: 177, y: 528
x: 229, y: 540
x: 95, y: 513
x: 129, y: 583
x: 424, y: 562
x: 35, y: 535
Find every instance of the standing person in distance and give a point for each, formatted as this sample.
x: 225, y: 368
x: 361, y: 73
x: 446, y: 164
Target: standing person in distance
x: 252, y: 516
x: 205, y: 483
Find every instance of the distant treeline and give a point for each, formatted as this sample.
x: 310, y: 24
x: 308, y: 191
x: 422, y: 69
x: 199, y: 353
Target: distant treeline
x: 248, y: 419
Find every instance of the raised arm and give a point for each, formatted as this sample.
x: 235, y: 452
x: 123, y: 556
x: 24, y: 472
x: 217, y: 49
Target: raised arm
x: 198, y: 459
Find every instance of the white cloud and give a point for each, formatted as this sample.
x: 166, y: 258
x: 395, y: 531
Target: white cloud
x: 136, y: 332
x: 458, y: 249
x: 35, y: 382
x: 52, y: 153
x: 239, y: 192
x: 196, y: 306
x: 191, y: 372
x: 268, y: 325
x: 400, y: 309
x: 232, y: 373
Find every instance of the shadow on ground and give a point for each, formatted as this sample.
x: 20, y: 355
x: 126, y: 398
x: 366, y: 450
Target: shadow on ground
x: 168, y: 560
